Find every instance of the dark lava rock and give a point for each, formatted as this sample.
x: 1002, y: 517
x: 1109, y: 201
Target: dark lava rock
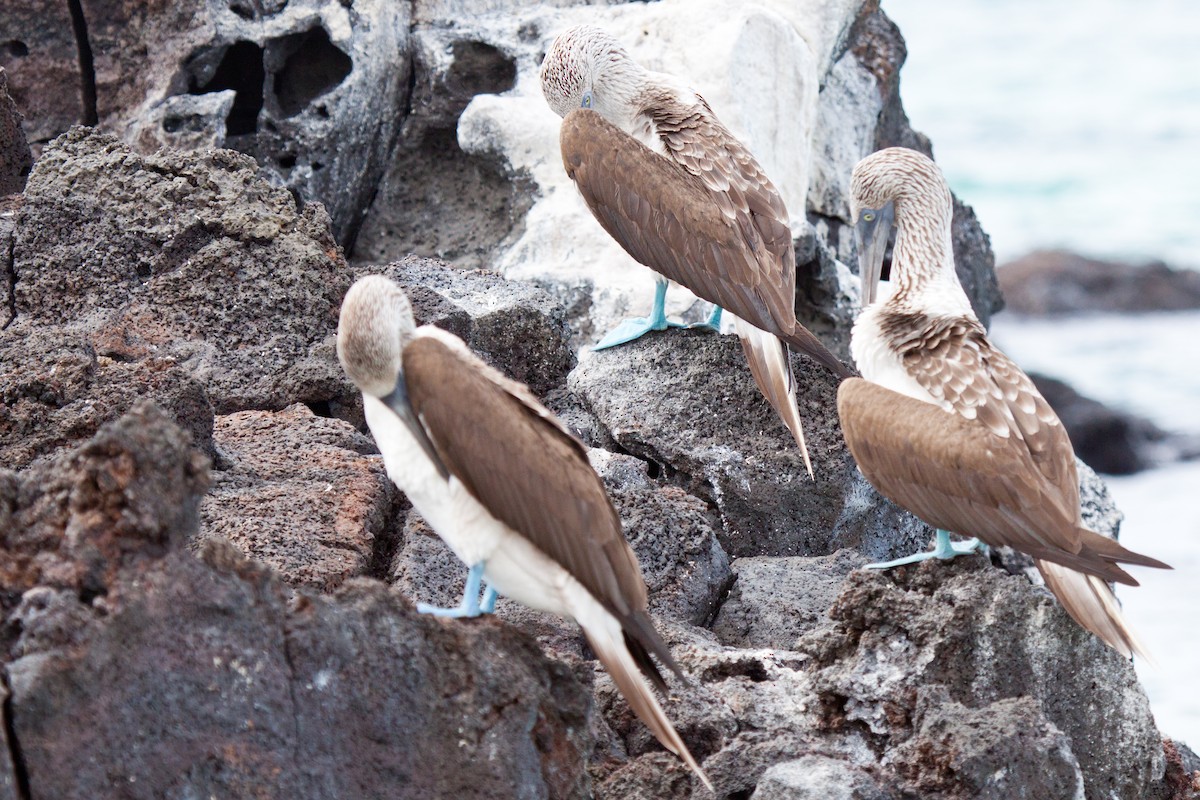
x: 1109, y: 441
x: 15, y: 159
x: 817, y: 777
x: 125, y: 497
x: 39, y: 51
x: 776, y: 600
x: 1004, y: 750
x: 188, y: 256
x: 686, y: 401
x: 986, y: 636
x: 515, y: 326
x: 1051, y: 282
x: 59, y: 384
x: 296, y: 493
x: 113, y: 675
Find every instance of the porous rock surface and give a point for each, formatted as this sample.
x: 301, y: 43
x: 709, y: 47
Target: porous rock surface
x: 198, y: 539
x: 115, y: 659
x: 318, y: 520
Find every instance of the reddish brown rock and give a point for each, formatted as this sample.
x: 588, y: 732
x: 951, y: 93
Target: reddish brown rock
x: 298, y: 494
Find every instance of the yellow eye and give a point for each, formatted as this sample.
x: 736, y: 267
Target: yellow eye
x: 868, y: 217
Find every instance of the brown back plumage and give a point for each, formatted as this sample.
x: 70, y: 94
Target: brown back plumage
x: 957, y: 475
x: 714, y: 224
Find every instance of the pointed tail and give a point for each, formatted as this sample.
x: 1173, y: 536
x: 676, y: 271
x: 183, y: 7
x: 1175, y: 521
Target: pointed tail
x: 772, y: 371
x: 1092, y: 604
x: 607, y: 640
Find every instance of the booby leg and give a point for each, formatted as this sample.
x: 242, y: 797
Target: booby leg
x: 637, y: 327
x: 488, y: 604
x: 470, y: 605
x: 943, y: 549
x: 713, y: 322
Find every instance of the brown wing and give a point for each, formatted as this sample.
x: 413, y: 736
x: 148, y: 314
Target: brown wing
x: 958, y: 475
x: 670, y: 220
x: 954, y: 361
x: 529, y: 472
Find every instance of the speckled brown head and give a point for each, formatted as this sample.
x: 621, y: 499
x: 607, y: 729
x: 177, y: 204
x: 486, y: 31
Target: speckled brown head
x: 586, y: 67
x: 902, y: 186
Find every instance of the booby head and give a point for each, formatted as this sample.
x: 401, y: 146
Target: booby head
x: 586, y: 67
x: 894, y: 185
x: 375, y: 323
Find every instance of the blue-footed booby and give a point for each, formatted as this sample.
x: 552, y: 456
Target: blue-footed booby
x: 683, y: 196
x: 506, y: 486
x: 944, y: 424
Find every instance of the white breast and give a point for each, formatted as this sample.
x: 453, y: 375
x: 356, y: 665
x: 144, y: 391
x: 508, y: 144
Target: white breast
x: 878, y: 362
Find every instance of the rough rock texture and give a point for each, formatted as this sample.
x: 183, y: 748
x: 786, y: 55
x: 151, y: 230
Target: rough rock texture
x: 314, y: 694
x: 1007, y: 749
x: 1109, y: 441
x: 192, y: 257
x: 984, y: 636
x: 315, y: 90
x: 38, y: 50
x: 15, y: 159
x: 776, y: 600
x: 686, y: 401
x: 817, y: 777
x: 294, y: 493
x: 59, y: 384
x: 514, y: 326
x: 1052, y: 282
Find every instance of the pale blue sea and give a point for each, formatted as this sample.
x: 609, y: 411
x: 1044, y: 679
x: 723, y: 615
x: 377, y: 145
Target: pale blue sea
x: 1076, y: 123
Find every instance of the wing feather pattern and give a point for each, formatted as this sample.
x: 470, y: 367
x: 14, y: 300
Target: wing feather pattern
x: 730, y: 246
x: 959, y: 475
x: 527, y: 469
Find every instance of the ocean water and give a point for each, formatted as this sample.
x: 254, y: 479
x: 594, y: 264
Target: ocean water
x: 1072, y: 123
x: 1077, y: 124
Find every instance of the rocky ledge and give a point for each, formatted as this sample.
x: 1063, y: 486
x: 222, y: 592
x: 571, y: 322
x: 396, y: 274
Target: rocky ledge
x: 208, y: 582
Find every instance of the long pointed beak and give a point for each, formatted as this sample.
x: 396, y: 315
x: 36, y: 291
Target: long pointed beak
x: 398, y: 402
x: 872, y: 245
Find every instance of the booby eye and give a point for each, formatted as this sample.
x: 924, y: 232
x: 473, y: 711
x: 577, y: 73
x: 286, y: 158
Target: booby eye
x: 587, y: 100
x: 868, y: 216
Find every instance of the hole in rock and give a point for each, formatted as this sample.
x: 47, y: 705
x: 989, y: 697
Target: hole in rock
x: 320, y: 408
x: 14, y: 48
x: 480, y: 68
x: 241, y: 69
x: 438, y: 201
x: 314, y: 67
x: 287, y: 161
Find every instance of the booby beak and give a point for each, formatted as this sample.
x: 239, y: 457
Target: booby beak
x: 873, y: 227
x: 398, y: 402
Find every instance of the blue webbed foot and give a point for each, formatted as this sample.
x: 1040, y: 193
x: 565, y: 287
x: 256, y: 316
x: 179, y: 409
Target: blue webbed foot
x: 634, y: 328
x: 470, y: 605
x: 637, y: 327
x: 713, y: 322
x: 943, y: 549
